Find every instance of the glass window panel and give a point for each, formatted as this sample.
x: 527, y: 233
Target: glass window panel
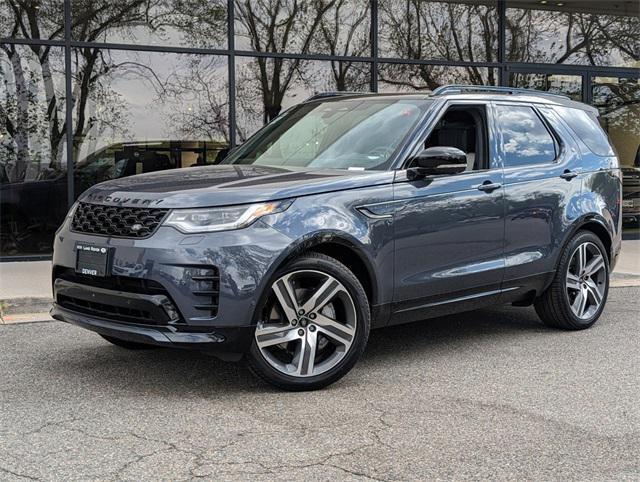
x: 586, y: 126
x: 525, y: 139
x: 413, y: 77
x: 137, y: 112
x: 185, y: 23
x: 339, y: 134
x: 618, y: 100
x: 34, y: 19
x: 267, y: 86
x: 421, y: 30
x: 569, y: 85
x: 585, y: 33
x: 33, y: 176
x: 340, y: 27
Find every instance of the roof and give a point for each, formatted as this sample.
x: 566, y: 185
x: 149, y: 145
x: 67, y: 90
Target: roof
x: 469, y: 92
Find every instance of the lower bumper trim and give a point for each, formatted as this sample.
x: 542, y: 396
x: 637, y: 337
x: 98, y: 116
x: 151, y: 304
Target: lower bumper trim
x: 223, y: 339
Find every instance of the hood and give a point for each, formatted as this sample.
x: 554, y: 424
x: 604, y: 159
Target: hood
x: 224, y: 185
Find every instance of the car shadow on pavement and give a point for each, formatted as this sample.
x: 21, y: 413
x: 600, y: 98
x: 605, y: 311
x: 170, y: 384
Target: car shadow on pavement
x: 452, y: 332
x: 168, y: 372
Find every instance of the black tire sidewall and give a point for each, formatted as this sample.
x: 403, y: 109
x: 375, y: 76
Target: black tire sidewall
x: 330, y: 266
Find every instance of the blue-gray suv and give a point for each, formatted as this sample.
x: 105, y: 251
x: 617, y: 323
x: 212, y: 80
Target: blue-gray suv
x: 346, y: 213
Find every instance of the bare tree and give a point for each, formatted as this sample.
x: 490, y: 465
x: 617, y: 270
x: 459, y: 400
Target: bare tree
x: 345, y: 31
x: 421, y: 30
x: 199, y: 87
x: 279, y: 26
x: 572, y: 37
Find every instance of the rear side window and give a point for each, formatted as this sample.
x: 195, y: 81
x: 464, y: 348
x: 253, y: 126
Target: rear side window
x: 525, y: 138
x: 587, y: 128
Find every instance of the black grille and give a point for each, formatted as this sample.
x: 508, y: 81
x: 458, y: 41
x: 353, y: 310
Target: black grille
x: 116, y: 283
x: 118, y: 221
x: 102, y: 310
x: 127, y: 314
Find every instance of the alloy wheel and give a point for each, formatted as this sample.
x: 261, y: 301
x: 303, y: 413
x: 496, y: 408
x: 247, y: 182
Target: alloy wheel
x: 586, y: 280
x: 309, y: 324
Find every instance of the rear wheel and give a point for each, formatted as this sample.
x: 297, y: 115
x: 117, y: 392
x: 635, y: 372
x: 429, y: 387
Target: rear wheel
x: 314, y: 325
x: 576, y: 297
x: 129, y: 345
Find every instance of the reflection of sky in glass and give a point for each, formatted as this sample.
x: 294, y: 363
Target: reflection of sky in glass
x: 525, y: 138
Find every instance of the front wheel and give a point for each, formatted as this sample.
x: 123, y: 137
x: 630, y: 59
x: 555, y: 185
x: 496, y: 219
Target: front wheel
x: 314, y: 325
x: 576, y: 297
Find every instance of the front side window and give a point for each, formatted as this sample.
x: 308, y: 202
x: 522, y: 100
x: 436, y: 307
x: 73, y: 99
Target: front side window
x: 336, y: 134
x: 525, y: 139
x: 463, y: 127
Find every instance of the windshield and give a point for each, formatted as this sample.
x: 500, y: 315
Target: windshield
x: 353, y: 133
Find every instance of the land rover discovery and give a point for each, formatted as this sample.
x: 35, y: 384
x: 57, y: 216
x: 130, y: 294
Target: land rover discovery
x: 350, y: 212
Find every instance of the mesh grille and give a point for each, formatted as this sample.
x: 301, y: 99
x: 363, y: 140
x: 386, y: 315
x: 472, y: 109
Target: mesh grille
x: 116, y: 221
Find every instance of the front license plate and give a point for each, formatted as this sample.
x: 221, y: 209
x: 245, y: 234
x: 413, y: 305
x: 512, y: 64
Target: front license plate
x: 627, y: 204
x: 92, y: 260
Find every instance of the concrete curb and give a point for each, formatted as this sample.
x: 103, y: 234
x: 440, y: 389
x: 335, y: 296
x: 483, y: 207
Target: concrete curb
x: 17, y: 306
x: 22, y: 310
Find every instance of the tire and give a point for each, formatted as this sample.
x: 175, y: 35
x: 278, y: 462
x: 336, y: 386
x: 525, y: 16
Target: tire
x: 129, y: 345
x: 562, y: 302
x: 321, y: 344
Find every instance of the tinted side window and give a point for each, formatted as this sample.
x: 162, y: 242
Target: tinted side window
x: 525, y: 139
x: 587, y: 129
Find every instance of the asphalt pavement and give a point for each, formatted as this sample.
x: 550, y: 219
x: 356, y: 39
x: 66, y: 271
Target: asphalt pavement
x: 483, y: 395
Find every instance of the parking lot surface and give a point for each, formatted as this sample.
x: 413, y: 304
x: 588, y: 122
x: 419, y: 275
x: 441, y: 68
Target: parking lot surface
x: 488, y: 394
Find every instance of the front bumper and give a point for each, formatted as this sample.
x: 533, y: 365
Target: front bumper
x: 172, y: 263
x: 232, y: 341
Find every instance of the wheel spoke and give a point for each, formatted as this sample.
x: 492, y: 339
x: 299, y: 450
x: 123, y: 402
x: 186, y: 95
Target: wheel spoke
x: 580, y: 303
x: 305, y: 359
x: 323, y: 295
x: 595, y: 265
x: 581, y: 258
x: 276, y: 337
x: 334, y: 330
x: 272, y: 328
x: 573, y: 282
x: 594, y: 292
x: 286, y: 297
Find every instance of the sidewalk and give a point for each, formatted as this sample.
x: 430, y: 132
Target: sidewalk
x: 25, y: 287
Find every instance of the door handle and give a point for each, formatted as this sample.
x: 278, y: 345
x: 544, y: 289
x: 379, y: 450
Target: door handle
x: 568, y: 174
x: 489, y: 186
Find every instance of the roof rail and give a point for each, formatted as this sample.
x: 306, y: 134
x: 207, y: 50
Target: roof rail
x: 324, y: 95
x: 450, y: 89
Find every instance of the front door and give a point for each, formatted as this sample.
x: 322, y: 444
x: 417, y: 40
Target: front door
x: 449, y: 229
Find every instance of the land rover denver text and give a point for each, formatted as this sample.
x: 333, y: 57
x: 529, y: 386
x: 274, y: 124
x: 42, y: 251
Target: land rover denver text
x: 346, y: 213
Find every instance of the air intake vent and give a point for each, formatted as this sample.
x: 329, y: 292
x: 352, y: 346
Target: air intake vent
x: 206, y: 285
x: 116, y: 221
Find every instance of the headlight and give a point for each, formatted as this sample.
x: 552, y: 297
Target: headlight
x: 72, y: 210
x: 223, y: 218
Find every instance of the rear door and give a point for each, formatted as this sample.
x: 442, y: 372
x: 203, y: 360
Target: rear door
x: 542, y: 178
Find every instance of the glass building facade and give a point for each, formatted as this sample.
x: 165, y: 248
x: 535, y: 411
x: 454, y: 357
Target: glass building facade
x: 92, y: 90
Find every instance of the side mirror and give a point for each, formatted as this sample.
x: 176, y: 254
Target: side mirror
x: 434, y: 161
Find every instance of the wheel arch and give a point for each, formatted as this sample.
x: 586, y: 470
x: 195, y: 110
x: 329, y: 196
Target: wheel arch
x: 597, y: 226
x: 343, y: 249
x: 338, y: 246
